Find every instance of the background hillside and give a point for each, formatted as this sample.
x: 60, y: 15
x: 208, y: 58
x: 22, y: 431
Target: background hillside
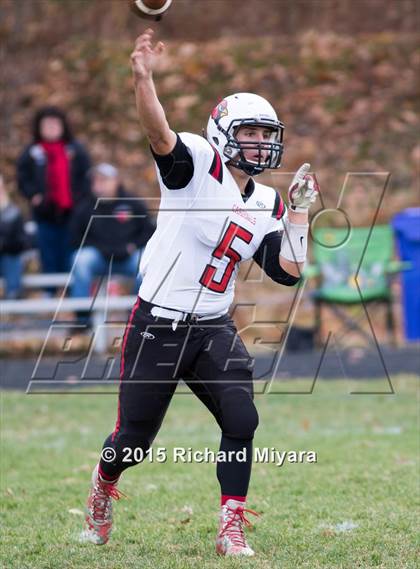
x: 341, y: 74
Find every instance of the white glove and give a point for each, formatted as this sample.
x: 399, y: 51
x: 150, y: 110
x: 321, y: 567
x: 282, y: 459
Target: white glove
x: 303, y: 190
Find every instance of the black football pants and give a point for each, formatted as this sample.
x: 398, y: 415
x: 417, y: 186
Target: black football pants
x: 212, y: 360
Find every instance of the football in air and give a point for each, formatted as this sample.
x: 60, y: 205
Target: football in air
x: 150, y: 9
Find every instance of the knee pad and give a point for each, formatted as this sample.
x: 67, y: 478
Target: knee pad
x: 239, y: 416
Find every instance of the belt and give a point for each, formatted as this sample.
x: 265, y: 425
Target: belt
x: 175, y: 315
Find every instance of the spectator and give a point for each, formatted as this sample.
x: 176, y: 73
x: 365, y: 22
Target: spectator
x: 52, y: 175
x: 117, y: 233
x: 12, y: 242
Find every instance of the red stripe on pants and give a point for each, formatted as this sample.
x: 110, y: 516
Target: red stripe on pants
x: 127, y: 330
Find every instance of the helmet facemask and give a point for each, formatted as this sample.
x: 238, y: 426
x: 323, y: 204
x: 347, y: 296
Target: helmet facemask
x: 269, y: 152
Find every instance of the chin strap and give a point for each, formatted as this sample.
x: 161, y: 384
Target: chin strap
x: 294, y: 243
x: 250, y: 170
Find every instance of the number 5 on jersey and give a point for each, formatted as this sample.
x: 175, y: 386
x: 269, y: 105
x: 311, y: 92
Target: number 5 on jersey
x: 225, y: 249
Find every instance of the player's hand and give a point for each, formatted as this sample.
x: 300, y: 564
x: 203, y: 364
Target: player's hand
x: 145, y: 56
x: 303, y: 190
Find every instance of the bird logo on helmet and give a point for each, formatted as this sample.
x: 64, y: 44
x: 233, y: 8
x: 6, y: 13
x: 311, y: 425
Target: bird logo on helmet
x: 239, y: 110
x: 220, y: 110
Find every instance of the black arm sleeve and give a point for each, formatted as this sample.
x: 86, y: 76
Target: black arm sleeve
x: 267, y: 257
x: 176, y: 168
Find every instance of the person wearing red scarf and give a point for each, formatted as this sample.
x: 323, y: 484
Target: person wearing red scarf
x: 52, y: 175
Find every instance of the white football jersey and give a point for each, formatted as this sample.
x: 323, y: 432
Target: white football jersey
x: 203, y: 232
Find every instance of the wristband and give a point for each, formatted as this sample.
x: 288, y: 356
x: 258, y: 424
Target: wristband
x: 294, y: 243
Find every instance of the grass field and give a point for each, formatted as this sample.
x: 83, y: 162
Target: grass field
x: 356, y: 507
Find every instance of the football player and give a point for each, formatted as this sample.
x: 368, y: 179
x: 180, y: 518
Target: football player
x: 213, y: 215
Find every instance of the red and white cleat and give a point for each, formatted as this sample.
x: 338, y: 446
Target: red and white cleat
x: 99, y: 510
x: 231, y: 538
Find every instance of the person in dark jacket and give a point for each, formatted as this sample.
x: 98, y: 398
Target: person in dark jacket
x: 109, y: 227
x: 52, y: 175
x: 13, y: 242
